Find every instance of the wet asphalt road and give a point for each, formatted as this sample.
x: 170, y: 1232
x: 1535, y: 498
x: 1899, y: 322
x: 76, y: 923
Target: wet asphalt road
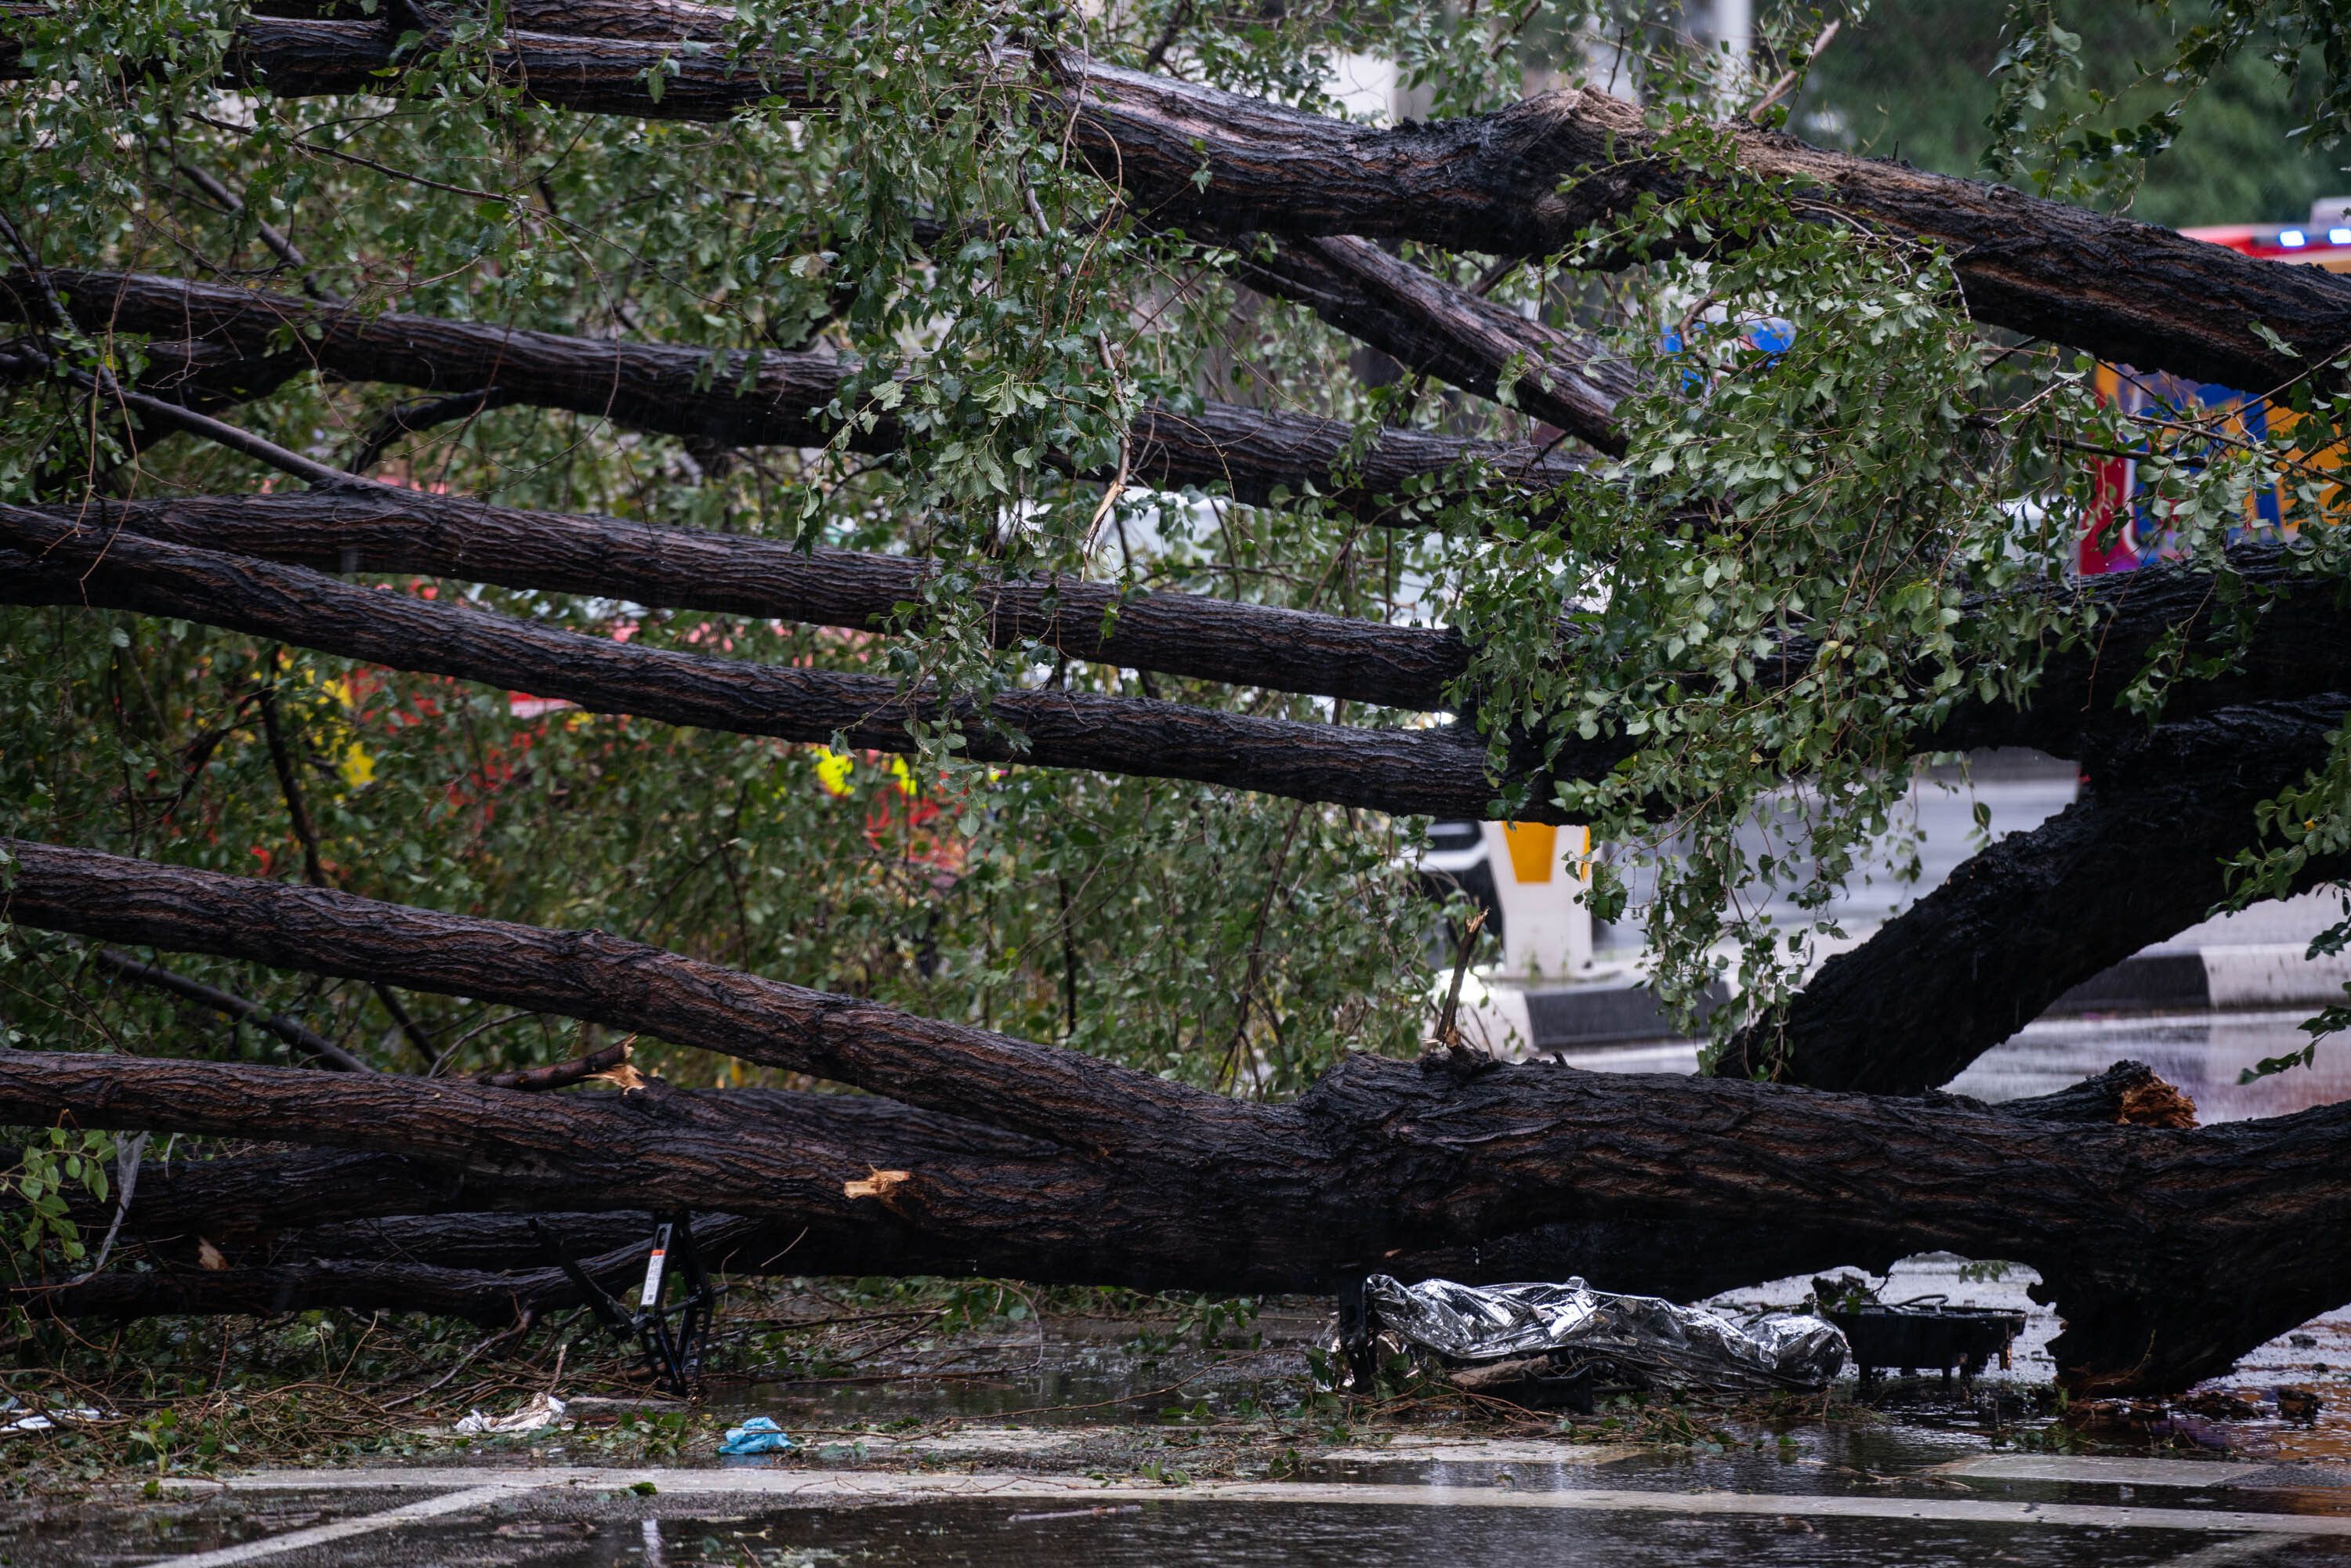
x: 1869, y: 1496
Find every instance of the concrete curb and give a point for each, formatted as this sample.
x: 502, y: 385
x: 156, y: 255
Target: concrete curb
x: 2207, y: 979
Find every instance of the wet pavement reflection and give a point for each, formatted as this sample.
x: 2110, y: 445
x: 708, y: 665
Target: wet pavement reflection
x: 1320, y: 1536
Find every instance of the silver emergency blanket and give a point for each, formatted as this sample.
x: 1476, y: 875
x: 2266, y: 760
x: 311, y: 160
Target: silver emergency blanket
x: 1651, y: 1340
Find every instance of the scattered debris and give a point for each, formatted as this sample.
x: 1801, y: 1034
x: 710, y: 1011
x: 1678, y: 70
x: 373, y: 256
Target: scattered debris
x: 1552, y: 1337
x: 1925, y: 1332
x: 2303, y: 1404
x: 2221, y: 1405
x: 543, y: 1411
x: 760, y: 1434
x: 1102, y: 1512
x: 43, y: 1421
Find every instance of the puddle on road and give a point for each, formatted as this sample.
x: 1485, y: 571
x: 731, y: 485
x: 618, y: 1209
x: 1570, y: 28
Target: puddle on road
x: 34, y: 1533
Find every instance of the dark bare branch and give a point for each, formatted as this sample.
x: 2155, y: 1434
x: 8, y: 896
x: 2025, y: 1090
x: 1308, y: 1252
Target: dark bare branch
x: 229, y: 1005
x: 1436, y: 771
x: 692, y: 393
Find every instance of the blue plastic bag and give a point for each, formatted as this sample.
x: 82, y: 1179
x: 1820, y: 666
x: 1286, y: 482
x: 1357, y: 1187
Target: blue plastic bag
x: 758, y: 1435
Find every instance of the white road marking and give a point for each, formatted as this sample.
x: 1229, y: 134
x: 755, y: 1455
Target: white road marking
x: 1477, y: 1451
x: 2191, y: 1473
x: 789, y: 1487
x: 321, y: 1534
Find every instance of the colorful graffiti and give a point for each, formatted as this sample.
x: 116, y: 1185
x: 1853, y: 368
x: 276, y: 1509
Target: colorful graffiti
x: 2123, y: 528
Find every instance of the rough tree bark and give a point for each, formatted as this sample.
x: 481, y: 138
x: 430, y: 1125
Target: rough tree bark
x: 2294, y: 649
x: 1441, y: 771
x: 691, y: 392
x: 384, y: 529
x: 1425, y: 324
x: 2168, y: 1253
x: 2140, y: 857
x: 341, y: 1228
x: 1525, y: 180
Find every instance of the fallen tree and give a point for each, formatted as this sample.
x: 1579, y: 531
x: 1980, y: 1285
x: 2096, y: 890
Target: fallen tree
x: 2168, y: 1253
x: 324, y: 1226
x: 1528, y: 180
x: 1802, y: 612
x: 727, y: 396
x: 2145, y: 1237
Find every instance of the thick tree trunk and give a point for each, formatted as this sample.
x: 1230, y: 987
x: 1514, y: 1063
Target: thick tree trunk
x: 385, y: 529
x: 699, y: 392
x: 321, y: 1228
x: 1523, y: 181
x: 2140, y: 857
x: 271, y: 1213
x: 2169, y: 1253
x: 1441, y: 772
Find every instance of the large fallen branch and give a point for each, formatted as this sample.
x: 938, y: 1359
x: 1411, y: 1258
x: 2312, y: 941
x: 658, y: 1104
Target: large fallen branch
x: 2294, y: 649
x: 271, y: 1214
x: 2168, y: 1253
x: 1526, y: 179
x: 1428, y: 325
x: 2140, y: 857
x: 626, y: 986
x: 1439, y: 771
x: 239, y: 335
x: 384, y: 529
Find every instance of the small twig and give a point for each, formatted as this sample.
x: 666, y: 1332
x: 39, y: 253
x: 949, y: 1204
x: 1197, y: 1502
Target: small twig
x: 116, y: 962
x: 1447, y: 1035
x: 1491, y: 279
x: 289, y: 784
x: 416, y: 418
x: 337, y: 153
x: 521, y: 1326
x: 289, y: 787
x: 219, y: 432
x: 1779, y: 90
x: 1157, y: 56
x: 280, y: 245
x: 563, y: 1074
